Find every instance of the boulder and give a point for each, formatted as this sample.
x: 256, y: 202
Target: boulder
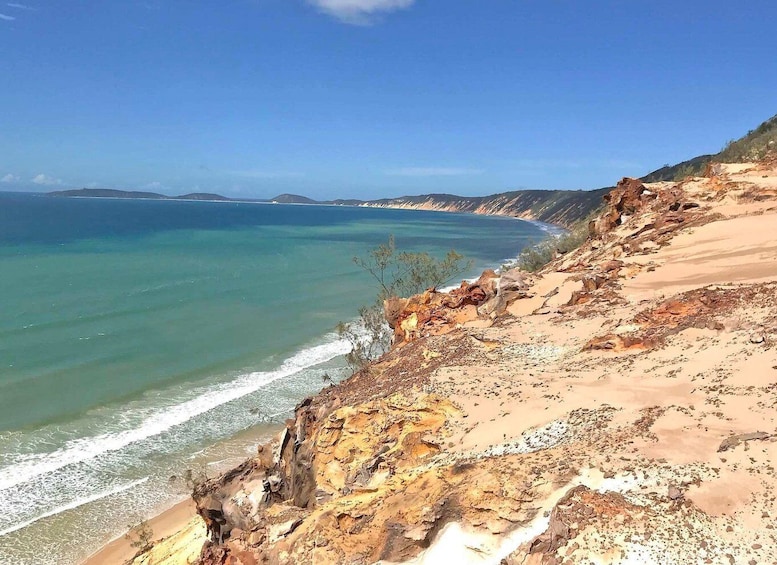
x: 628, y: 197
x: 514, y: 279
x: 735, y: 440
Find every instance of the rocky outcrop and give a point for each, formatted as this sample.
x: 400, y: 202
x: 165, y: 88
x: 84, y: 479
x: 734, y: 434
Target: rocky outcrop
x: 328, y: 454
x: 437, y: 313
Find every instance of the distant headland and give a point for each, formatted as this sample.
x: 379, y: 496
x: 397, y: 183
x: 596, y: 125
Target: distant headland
x: 562, y: 207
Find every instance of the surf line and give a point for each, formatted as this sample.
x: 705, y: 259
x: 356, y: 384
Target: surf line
x: 74, y: 504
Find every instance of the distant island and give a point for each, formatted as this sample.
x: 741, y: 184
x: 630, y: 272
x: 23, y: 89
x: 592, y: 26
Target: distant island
x: 113, y: 193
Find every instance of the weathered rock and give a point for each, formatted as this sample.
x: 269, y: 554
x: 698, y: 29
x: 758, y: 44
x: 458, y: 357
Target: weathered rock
x: 625, y: 199
x: 612, y: 342
x: 757, y: 338
x: 514, y: 279
x: 674, y: 493
x: 392, y: 308
x: 612, y: 265
x: 593, y: 282
x: 278, y: 531
x: 735, y: 440
x: 436, y: 313
x: 579, y: 297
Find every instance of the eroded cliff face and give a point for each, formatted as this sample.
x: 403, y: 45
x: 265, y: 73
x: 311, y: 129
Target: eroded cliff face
x: 618, y: 406
x: 561, y: 207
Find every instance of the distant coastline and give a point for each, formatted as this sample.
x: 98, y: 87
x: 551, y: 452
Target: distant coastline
x: 556, y: 207
x: 133, y: 194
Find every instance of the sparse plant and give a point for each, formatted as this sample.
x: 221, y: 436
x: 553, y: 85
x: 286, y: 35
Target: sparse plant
x: 535, y: 257
x: 404, y: 273
x: 368, y: 337
x: 398, y: 274
x: 140, y: 536
x: 686, y: 172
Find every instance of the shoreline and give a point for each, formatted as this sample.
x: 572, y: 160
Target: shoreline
x: 175, y: 518
x: 164, y: 524
x: 548, y: 227
x: 162, y: 511
x: 178, y: 517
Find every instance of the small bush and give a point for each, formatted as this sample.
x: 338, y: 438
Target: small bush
x: 535, y: 257
x: 140, y: 536
x: 685, y: 172
x: 369, y: 337
x: 398, y: 274
x: 404, y: 274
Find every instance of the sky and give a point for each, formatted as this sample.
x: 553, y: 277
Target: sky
x: 373, y: 98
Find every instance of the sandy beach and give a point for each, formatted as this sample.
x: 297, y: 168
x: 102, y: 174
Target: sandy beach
x: 178, y: 531
x: 172, y: 521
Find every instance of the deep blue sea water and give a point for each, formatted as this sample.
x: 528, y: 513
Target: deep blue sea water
x: 139, y: 338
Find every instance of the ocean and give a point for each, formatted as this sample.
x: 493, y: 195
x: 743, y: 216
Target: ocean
x: 142, y: 338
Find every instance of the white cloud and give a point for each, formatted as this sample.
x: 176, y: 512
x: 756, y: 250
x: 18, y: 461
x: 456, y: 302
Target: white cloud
x: 7, y: 18
x: 359, y: 12
x: 433, y: 172
x: 20, y: 6
x: 9, y: 178
x: 45, y: 180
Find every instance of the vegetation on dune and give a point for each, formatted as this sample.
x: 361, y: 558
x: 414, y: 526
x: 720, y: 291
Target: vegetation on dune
x: 398, y: 274
x: 401, y: 274
x: 535, y: 257
x: 756, y: 145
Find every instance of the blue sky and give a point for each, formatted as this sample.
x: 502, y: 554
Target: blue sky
x: 372, y: 98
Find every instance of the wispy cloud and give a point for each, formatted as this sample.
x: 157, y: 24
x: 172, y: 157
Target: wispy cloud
x: 268, y: 174
x: 433, y: 172
x: 9, y: 178
x: 7, y: 18
x: 153, y: 185
x: 545, y: 164
x: 359, y: 12
x: 21, y: 6
x: 45, y: 180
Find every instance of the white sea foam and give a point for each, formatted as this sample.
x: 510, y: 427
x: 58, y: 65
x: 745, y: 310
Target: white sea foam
x: 551, y: 229
x: 27, y: 467
x: 74, y: 504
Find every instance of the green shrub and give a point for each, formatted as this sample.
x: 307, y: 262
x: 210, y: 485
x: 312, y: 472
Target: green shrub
x: 535, y: 257
x: 405, y: 274
x: 398, y: 274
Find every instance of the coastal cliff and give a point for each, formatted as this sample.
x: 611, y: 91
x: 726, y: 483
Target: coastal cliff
x: 617, y: 406
x: 562, y: 207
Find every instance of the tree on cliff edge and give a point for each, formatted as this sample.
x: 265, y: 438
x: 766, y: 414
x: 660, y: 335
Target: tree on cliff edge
x: 398, y: 274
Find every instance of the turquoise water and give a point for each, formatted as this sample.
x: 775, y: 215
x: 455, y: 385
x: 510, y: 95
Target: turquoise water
x: 141, y: 338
